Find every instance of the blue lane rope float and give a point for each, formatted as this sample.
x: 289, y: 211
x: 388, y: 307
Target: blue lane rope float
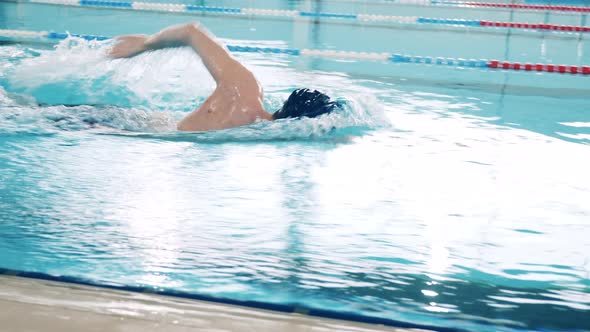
x: 212, y: 9
x: 61, y: 36
x: 117, y: 4
x: 170, y: 7
x: 387, y: 57
x: 330, y: 15
x: 250, y: 49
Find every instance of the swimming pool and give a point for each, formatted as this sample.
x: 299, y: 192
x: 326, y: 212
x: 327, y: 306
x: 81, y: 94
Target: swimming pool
x: 443, y: 196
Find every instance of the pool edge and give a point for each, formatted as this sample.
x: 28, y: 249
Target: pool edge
x: 29, y: 304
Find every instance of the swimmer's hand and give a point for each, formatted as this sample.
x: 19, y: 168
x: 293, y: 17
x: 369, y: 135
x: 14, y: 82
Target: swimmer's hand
x: 128, y: 46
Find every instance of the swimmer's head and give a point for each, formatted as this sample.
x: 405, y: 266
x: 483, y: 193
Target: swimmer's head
x: 305, y: 103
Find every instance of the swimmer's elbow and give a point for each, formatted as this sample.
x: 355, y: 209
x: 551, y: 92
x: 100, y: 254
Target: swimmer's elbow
x: 189, y: 29
x: 181, y: 126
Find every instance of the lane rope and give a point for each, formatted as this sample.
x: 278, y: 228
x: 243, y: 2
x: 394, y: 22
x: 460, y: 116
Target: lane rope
x: 577, y: 7
x: 181, y: 8
x: 364, y: 56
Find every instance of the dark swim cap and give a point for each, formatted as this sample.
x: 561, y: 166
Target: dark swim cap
x: 305, y: 103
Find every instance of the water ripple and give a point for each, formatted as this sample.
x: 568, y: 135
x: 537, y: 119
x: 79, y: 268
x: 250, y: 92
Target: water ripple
x: 414, y: 203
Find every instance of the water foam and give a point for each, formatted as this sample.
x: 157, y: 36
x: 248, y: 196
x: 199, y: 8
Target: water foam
x: 151, y: 92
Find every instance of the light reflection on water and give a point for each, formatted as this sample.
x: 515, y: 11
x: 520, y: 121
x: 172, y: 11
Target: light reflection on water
x: 422, y: 204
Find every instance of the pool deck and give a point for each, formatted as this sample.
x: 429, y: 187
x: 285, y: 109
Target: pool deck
x: 36, y: 305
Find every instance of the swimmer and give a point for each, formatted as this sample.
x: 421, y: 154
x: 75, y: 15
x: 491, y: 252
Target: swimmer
x: 238, y: 96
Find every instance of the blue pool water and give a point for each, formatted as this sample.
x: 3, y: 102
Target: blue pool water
x: 447, y: 197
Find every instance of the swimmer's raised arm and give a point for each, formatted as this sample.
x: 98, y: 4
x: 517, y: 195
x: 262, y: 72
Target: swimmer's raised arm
x: 238, y: 97
x: 217, y: 59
